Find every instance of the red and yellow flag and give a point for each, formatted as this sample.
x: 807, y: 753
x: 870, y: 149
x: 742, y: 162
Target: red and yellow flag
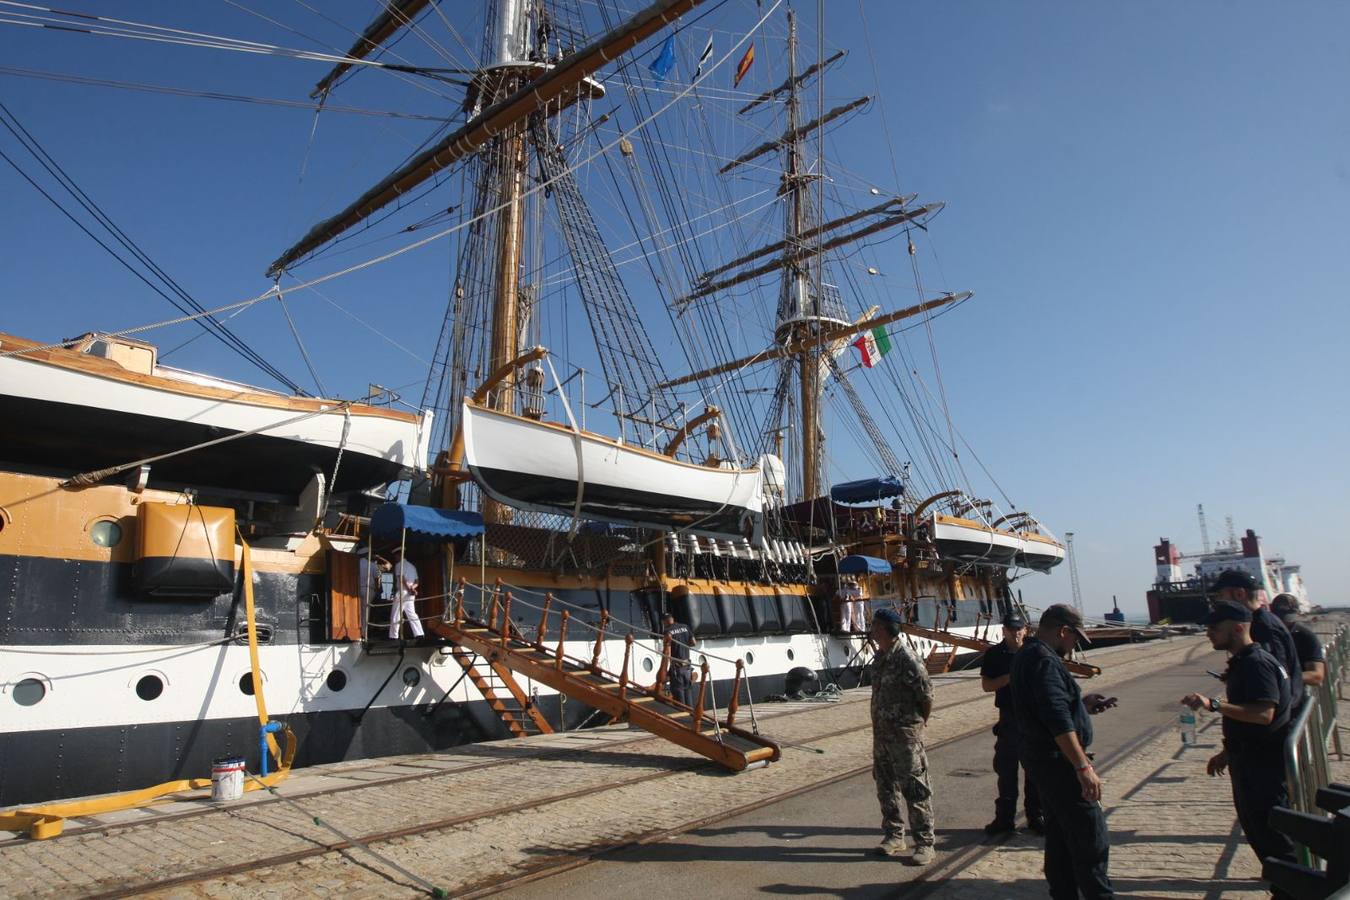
x: 744, y: 65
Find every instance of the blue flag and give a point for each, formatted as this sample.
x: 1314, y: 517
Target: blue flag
x: 665, y: 60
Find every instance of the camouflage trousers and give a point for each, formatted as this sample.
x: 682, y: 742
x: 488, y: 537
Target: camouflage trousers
x: 900, y: 769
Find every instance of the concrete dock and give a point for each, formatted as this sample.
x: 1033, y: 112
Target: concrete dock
x: 570, y: 815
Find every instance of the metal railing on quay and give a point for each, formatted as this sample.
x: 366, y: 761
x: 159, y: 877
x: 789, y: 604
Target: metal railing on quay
x: 1314, y: 729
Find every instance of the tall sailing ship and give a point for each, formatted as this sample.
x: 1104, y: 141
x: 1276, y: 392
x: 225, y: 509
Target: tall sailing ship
x: 595, y: 446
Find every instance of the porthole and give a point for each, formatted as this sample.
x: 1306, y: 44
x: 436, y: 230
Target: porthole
x: 29, y: 692
x: 647, y: 664
x: 246, y: 683
x: 337, y: 680
x: 149, y: 687
x: 105, y: 533
x: 749, y: 659
x: 412, y: 677
x: 791, y: 655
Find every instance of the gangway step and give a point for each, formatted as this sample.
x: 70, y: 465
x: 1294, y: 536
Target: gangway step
x: 644, y: 706
x: 521, y: 718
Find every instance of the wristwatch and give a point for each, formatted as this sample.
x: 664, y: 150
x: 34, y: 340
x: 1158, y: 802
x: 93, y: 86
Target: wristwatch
x: 1213, y: 704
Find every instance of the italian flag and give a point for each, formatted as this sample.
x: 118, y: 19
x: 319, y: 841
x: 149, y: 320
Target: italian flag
x: 873, y: 345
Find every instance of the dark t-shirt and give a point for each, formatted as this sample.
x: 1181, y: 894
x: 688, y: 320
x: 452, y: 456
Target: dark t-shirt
x: 1307, y: 645
x: 1046, y: 701
x: 681, y: 638
x: 998, y: 661
x: 1274, y: 638
x: 1254, y: 675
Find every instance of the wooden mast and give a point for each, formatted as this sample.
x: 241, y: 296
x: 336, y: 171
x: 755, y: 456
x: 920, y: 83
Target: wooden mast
x: 502, y: 77
x: 803, y: 325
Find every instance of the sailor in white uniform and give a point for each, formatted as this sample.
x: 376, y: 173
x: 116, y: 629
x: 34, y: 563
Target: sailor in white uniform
x: 405, y: 598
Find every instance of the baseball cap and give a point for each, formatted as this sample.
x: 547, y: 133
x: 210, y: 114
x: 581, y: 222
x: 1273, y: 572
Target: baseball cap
x: 1234, y: 579
x: 1060, y: 614
x: 1014, y: 621
x: 1228, y: 612
x: 1284, y: 605
x: 888, y: 615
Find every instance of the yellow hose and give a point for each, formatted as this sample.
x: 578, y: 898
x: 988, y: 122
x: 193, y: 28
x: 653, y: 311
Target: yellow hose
x: 44, y: 822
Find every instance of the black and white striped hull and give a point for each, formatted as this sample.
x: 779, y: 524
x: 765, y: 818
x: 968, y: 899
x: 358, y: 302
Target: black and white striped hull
x: 97, y: 728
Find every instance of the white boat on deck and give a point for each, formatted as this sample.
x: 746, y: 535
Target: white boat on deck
x: 551, y: 468
x: 1039, y: 552
x: 970, y: 541
x: 102, y: 401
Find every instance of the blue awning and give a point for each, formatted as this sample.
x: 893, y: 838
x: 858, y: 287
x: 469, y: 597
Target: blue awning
x: 867, y: 490
x: 863, y: 565
x: 423, y: 523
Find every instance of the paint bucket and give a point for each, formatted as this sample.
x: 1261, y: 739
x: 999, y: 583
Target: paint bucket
x: 227, y: 779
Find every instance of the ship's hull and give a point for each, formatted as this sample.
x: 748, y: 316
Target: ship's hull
x: 548, y: 468
x: 93, y: 733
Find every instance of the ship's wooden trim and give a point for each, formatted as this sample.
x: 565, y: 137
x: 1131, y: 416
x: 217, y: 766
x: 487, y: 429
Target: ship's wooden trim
x: 1042, y: 539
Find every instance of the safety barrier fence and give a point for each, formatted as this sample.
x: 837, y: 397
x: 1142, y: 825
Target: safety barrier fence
x: 1314, y: 729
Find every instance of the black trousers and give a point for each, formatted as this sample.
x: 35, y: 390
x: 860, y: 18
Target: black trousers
x: 1007, y: 760
x: 1258, y: 787
x: 1077, y: 845
x: 681, y: 686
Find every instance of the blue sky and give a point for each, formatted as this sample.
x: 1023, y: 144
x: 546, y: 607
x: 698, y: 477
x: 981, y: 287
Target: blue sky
x: 1149, y: 201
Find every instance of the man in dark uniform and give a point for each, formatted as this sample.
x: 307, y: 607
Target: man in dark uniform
x: 681, y: 639
x: 1052, y: 718
x: 1255, y: 722
x: 995, y: 674
x: 1311, y: 660
x: 1239, y: 588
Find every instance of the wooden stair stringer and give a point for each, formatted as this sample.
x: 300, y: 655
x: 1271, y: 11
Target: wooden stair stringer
x: 657, y: 714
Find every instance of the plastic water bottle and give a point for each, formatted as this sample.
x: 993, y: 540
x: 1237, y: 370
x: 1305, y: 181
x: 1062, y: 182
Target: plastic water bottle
x: 1186, y: 725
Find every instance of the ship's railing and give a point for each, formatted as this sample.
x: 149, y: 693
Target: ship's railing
x: 1307, y: 767
x: 495, y: 603
x: 495, y: 610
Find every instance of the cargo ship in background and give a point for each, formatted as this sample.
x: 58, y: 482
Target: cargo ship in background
x: 1180, y: 597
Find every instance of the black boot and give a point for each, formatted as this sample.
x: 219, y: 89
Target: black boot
x: 999, y: 826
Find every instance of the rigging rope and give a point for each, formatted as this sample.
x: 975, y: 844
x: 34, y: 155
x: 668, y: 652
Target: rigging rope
x: 53, y: 168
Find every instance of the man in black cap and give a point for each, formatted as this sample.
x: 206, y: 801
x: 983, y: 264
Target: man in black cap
x: 995, y: 675
x: 1239, y: 588
x: 902, y: 701
x: 1312, y: 661
x: 1255, y: 722
x: 1052, y: 718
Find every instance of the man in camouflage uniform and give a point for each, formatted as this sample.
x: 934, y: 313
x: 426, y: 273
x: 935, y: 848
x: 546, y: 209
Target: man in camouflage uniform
x: 902, y: 699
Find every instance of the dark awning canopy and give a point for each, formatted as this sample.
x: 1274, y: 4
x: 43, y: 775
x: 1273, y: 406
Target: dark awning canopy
x: 863, y: 565
x: 867, y: 490
x: 423, y: 523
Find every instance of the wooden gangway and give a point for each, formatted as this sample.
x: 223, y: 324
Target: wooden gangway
x: 494, y: 637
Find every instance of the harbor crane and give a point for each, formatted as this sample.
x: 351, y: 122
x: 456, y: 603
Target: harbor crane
x: 1073, y: 571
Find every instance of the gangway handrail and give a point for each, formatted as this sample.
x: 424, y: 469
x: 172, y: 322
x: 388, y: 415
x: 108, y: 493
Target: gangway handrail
x: 1306, y: 765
